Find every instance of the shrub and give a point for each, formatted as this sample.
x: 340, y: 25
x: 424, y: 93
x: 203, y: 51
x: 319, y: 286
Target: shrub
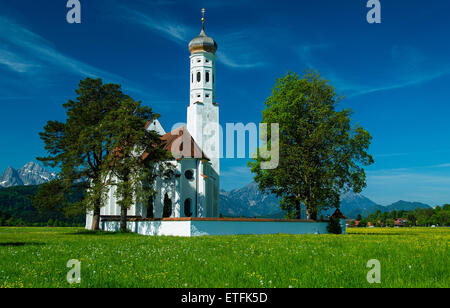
x: 334, y: 226
x: 363, y: 223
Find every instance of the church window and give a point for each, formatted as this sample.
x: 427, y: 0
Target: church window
x: 150, y: 208
x: 167, y: 209
x: 199, y: 77
x: 207, y: 95
x: 187, y: 208
x: 207, y: 76
x: 192, y: 77
x: 189, y: 174
x: 207, y: 61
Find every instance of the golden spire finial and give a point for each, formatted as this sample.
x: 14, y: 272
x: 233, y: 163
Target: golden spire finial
x: 203, y: 17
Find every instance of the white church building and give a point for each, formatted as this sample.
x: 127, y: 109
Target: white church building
x: 193, y: 191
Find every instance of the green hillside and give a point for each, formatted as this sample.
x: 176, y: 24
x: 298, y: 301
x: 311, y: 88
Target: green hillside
x: 16, y: 209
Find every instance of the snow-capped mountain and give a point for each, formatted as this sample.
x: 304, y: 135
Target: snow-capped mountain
x: 30, y: 174
x: 10, y: 177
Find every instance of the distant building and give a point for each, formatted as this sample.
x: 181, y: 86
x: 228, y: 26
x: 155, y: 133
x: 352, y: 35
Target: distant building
x: 400, y: 222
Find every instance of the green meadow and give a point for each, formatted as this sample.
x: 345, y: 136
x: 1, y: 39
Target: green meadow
x: 409, y: 257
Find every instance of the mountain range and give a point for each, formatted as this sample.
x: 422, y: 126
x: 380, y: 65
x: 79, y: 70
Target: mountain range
x: 30, y: 174
x: 354, y: 204
x: 247, y: 201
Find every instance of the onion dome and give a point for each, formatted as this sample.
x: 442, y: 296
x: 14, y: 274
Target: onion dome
x: 203, y: 42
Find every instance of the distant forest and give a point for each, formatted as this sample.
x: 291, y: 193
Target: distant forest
x: 16, y: 209
x: 439, y: 216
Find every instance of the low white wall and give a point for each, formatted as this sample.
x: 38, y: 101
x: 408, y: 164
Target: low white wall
x: 168, y: 228
x: 89, y: 217
x: 199, y: 228
x: 189, y: 228
x: 343, y: 226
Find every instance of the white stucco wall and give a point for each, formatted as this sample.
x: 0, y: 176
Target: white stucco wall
x: 343, y: 226
x: 190, y: 228
x: 203, y: 125
x: 167, y: 228
x: 157, y: 127
x: 199, y: 228
x: 89, y: 217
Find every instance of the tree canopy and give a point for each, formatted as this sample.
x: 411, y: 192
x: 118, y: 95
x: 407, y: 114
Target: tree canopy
x: 321, y: 155
x: 138, y: 156
x: 439, y: 216
x: 82, y: 145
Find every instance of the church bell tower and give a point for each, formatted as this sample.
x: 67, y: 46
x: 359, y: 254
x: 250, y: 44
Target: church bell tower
x: 203, y: 110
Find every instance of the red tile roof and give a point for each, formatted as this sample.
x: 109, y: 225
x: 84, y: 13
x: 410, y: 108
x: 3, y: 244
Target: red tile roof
x: 338, y: 214
x: 181, y: 144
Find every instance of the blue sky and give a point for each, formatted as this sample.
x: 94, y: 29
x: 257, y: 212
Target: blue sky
x: 395, y: 74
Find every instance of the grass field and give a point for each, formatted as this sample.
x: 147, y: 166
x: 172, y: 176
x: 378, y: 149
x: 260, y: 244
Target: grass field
x: 412, y: 257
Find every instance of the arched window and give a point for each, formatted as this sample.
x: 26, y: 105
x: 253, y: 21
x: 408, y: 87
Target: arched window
x: 187, y: 208
x: 192, y: 77
x: 167, y: 209
x: 199, y: 77
x: 189, y: 174
x: 150, y: 208
x: 207, y: 76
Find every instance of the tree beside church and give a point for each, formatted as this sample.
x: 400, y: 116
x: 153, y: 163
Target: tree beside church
x: 321, y: 154
x: 80, y: 145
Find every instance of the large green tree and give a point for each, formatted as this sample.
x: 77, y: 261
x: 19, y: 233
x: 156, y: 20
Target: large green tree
x: 320, y: 153
x: 80, y: 145
x: 138, y: 157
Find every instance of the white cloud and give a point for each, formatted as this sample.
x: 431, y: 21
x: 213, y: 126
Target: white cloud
x: 28, y: 54
x: 162, y: 25
x: 15, y: 62
x: 412, y: 81
x: 238, y: 53
x: 441, y: 166
x: 235, y: 63
x: 39, y: 52
x: 237, y: 50
x: 408, y: 67
x: 306, y: 54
